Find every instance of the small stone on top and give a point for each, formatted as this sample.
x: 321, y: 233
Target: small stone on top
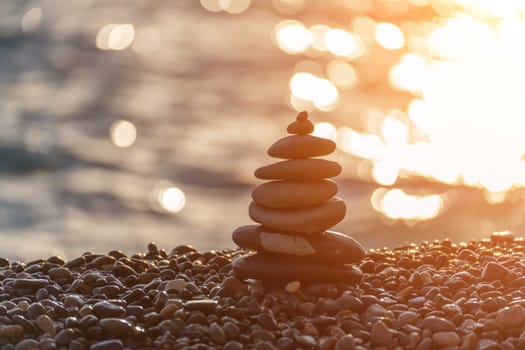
x: 301, y: 126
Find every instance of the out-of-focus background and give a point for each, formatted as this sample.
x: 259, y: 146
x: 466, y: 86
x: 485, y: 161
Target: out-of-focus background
x: 124, y: 122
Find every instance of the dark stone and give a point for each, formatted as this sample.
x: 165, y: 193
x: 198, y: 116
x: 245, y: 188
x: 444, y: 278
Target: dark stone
x: 271, y: 268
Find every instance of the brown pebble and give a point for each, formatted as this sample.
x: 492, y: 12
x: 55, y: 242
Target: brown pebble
x: 264, y: 345
x: 494, y: 271
x: 292, y: 287
x: 116, y: 326
x: 407, y: 317
x: 328, y: 343
x: 104, y: 309
x: 267, y: 321
x: 11, y: 331
x: 446, y: 339
x: 233, y: 285
x: 510, y: 317
x: 217, y: 334
x: 381, y: 335
x: 438, y: 324
x: 231, y: 345
x: 28, y: 344
x: 46, y: 325
x: 204, y: 305
x: 64, y: 336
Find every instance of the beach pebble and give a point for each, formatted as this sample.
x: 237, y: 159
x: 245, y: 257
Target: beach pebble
x: 438, y: 324
x: 510, y: 317
x: 28, y: 344
x: 407, y: 317
x: 46, y: 325
x: 177, y: 284
x: 299, y: 169
x: 381, y: 335
x: 301, y: 146
x: 307, y: 220
x: 104, y: 309
x: 233, y: 285
x: 204, y: 305
x: 217, y: 334
x: 116, y: 326
x: 233, y: 345
x: 11, y: 331
x: 494, y: 271
x: 292, y: 287
x: 445, y: 339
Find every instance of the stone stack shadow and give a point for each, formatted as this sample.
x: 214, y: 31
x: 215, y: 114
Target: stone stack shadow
x: 295, y: 210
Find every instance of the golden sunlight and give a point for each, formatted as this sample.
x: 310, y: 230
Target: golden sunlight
x: 292, y: 37
x: 389, y: 36
x: 325, y: 130
x: 343, y: 43
x: 396, y: 204
x: 321, y: 92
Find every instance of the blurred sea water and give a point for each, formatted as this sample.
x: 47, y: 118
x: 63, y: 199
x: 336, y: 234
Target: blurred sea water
x: 206, y: 104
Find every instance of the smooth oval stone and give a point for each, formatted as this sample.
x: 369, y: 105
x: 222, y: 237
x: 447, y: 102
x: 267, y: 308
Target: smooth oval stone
x: 301, y: 146
x: 300, y: 127
x: 329, y: 246
x: 299, y: 169
x: 271, y: 268
x: 294, y: 194
x: 307, y: 220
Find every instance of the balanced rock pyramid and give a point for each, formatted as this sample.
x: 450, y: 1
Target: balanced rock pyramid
x: 294, y: 212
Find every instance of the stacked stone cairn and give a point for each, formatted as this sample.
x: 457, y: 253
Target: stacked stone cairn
x: 294, y: 211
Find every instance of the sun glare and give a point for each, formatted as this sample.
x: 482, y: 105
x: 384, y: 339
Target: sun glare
x: 292, y: 37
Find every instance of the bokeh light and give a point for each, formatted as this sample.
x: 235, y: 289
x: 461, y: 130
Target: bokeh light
x: 396, y: 204
x: 172, y: 199
x: 123, y: 133
x: 342, y: 74
x: 325, y: 130
x: 147, y: 41
x: 389, y: 36
x: 115, y: 36
x: 292, y: 37
x: 343, y: 43
x: 31, y: 19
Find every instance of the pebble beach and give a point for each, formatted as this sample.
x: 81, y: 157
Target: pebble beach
x: 432, y: 295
